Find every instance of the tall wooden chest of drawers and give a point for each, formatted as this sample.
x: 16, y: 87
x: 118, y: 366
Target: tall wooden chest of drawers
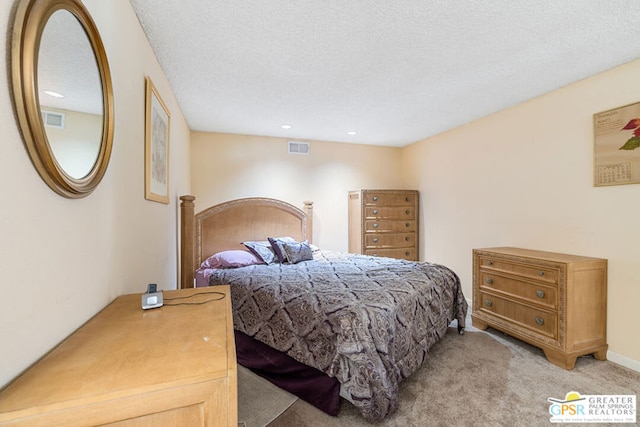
x: 384, y: 223
x: 554, y: 301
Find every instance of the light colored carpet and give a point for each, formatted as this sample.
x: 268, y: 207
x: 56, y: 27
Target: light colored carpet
x: 481, y: 379
x: 259, y: 401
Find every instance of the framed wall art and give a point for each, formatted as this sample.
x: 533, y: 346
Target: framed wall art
x: 616, y: 158
x: 156, y: 163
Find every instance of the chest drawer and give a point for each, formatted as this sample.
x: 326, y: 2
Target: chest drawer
x: 541, y: 273
x: 389, y: 199
x: 390, y: 240
x: 533, y: 293
x: 540, y: 321
x: 404, y: 253
x: 406, y: 212
x: 389, y: 226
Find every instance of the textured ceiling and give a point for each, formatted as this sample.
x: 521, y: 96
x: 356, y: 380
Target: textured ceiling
x: 67, y: 65
x: 394, y: 71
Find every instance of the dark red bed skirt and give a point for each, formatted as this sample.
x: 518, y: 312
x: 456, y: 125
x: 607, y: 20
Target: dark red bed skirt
x: 309, y: 384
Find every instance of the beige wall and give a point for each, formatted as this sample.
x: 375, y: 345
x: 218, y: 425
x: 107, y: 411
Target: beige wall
x: 64, y: 260
x: 77, y: 144
x: 523, y: 177
x: 226, y: 167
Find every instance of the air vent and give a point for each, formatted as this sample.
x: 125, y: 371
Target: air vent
x: 298, y: 147
x: 53, y: 119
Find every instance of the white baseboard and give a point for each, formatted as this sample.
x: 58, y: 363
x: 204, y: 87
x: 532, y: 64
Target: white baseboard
x: 623, y: 360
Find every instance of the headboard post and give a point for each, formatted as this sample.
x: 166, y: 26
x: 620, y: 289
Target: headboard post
x: 187, y: 247
x: 308, y: 209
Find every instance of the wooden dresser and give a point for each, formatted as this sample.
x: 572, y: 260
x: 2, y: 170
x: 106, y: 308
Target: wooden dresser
x: 384, y: 223
x: 554, y: 301
x: 168, y: 366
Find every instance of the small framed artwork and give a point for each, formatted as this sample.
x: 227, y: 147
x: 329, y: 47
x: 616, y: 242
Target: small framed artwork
x: 156, y: 151
x: 616, y: 157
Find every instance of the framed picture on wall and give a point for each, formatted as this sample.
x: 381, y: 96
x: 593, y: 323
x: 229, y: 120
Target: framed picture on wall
x: 156, y: 163
x: 616, y: 157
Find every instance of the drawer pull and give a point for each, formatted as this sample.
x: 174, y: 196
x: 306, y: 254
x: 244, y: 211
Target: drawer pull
x: 540, y: 294
x: 407, y: 253
x: 408, y: 225
x: 375, y: 198
x: 407, y: 238
x: 407, y: 212
x: 375, y: 211
x: 487, y: 303
x: 375, y: 225
x: 540, y: 273
x: 375, y: 240
x: 540, y: 321
x: 489, y: 280
x: 489, y: 262
x: 407, y: 199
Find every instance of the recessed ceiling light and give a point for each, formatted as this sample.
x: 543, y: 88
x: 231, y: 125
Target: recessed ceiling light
x: 286, y: 126
x: 54, y: 94
x: 352, y: 132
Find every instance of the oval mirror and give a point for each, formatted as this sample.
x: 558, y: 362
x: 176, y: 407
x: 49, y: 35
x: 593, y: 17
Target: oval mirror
x: 62, y: 94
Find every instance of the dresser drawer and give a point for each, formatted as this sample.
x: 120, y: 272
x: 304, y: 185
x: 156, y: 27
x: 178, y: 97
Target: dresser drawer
x: 382, y: 240
x: 389, y: 226
x: 539, y: 321
x: 405, y: 253
x: 374, y: 212
x: 533, y: 293
x: 389, y: 199
x: 542, y: 273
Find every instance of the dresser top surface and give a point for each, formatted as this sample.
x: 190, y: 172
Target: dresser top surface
x: 531, y: 253
x: 126, y: 348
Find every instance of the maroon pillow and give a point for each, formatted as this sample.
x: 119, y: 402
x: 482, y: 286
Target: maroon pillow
x: 231, y: 259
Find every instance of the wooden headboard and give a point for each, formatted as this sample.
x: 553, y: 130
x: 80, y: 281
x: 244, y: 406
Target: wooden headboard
x: 227, y: 225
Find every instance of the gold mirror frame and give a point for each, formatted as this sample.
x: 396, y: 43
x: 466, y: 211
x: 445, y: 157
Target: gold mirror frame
x: 30, y: 21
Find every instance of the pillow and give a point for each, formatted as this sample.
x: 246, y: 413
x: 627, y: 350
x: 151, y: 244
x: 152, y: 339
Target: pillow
x: 231, y: 259
x: 202, y: 277
x: 263, y: 250
x: 299, y: 251
x: 276, y: 244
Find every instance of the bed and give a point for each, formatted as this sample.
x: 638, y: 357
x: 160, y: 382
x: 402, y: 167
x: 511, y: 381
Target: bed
x: 321, y: 324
